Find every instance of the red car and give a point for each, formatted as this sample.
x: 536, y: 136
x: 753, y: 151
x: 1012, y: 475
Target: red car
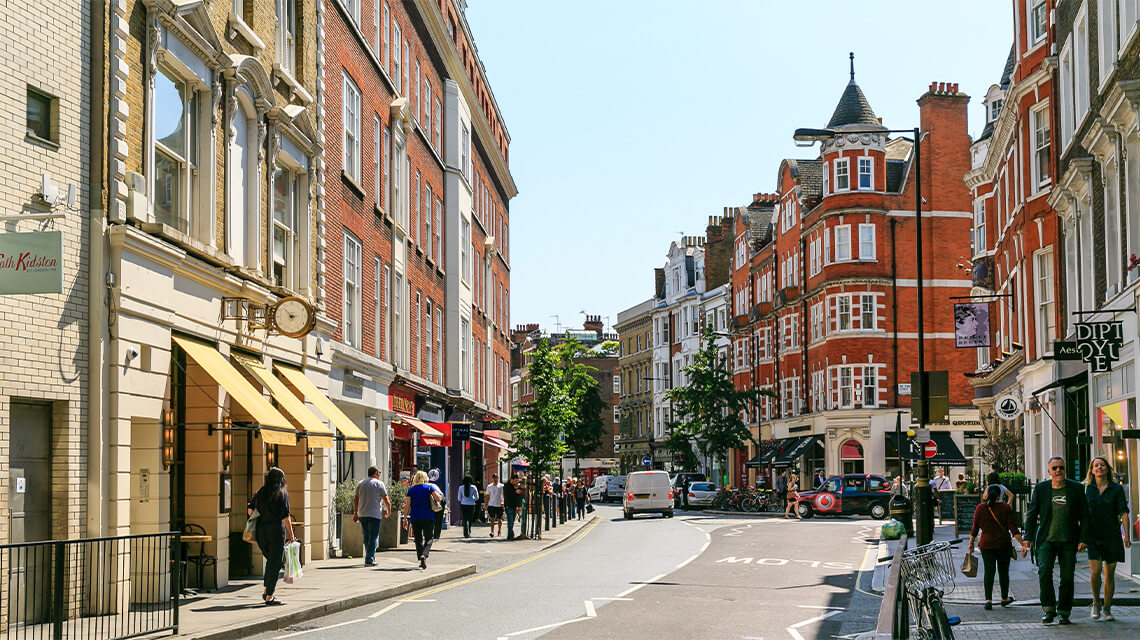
x: 852, y: 494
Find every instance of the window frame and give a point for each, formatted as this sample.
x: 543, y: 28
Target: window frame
x: 1041, y: 176
x: 869, y: 173
x: 863, y: 242
x: 351, y: 102
x: 845, y: 175
x: 845, y: 230
x: 351, y: 274
x: 1037, y: 17
x: 50, y: 134
x: 192, y: 172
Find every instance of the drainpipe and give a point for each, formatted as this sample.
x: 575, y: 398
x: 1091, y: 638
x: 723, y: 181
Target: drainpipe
x: 98, y: 450
x: 894, y: 316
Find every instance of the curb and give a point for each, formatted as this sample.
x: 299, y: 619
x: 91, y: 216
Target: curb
x: 326, y: 608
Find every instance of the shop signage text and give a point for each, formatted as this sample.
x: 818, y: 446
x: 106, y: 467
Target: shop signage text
x: 1063, y: 350
x: 401, y: 403
x: 1008, y: 407
x: 31, y: 262
x: 1099, y: 343
x: 460, y: 431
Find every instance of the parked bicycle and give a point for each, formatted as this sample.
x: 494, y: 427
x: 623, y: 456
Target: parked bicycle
x: 927, y: 575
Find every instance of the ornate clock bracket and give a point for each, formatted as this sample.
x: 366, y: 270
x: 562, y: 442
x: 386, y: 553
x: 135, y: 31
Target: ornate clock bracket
x: 254, y: 313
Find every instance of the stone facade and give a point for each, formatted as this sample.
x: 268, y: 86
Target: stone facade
x: 635, y: 369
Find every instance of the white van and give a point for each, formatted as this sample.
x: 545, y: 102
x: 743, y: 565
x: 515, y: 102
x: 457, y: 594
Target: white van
x: 648, y: 492
x: 606, y: 488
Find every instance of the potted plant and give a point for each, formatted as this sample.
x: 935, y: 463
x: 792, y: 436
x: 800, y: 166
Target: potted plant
x: 391, y: 533
x: 351, y: 535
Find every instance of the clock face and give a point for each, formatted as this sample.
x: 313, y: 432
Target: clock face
x: 291, y: 317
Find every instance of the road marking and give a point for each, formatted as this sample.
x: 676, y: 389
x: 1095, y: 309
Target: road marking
x: 331, y: 626
x: 812, y: 606
x: 452, y: 585
x: 688, y: 561
x: 703, y: 547
x: 622, y: 599
x: 423, y: 600
x: 869, y: 563
x: 818, y: 618
x: 545, y: 626
x: 385, y: 610
x: 591, y: 612
x: 640, y: 585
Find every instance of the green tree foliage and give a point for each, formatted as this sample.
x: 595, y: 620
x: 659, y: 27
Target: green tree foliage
x: 541, y: 423
x: 708, y: 409
x: 1002, y: 449
x: 584, y: 434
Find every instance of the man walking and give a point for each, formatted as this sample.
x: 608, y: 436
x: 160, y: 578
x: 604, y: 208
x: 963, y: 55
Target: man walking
x: 494, y: 496
x: 370, y: 505
x: 782, y: 487
x: 1056, y: 525
x: 511, y: 500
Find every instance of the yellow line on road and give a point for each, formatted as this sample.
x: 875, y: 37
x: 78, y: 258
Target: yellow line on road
x: 452, y: 585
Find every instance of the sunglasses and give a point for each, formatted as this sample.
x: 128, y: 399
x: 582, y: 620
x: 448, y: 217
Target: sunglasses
x: 1056, y: 468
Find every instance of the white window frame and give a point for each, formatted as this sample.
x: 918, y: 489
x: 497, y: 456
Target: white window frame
x: 287, y: 34
x: 377, y: 159
x: 289, y: 224
x: 378, y: 281
x: 842, y: 174
x: 1108, y: 34
x: 350, y: 124
x: 1067, y: 106
x: 350, y: 311
x: 1037, y: 16
x: 866, y: 166
x: 870, y: 385
x: 1081, y: 81
x: 191, y: 171
x: 979, y: 226
x: 397, y: 64
x: 429, y: 340
x: 465, y: 250
x: 867, y: 241
x: 617, y: 383
x: 843, y: 243
x: 1040, y: 141
x: 1044, y: 295
x: 826, y: 245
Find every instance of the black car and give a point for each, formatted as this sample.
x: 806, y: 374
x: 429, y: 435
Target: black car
x: 851, y: 494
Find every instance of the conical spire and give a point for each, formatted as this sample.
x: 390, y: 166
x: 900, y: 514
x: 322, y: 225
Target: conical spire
x: 853, y: 107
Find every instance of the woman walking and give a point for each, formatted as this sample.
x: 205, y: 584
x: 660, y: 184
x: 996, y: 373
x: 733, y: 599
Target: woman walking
x: 420, y: 515
x: 580, y: 496
x: 274, y: 528
x: 995, y: 520
x: 1108, y: 534
x: 468, y: 498
x: 793, y: 501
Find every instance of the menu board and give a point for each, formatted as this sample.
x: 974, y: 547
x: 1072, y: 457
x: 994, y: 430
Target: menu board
x: 945, y: 505
x: 964, y: 506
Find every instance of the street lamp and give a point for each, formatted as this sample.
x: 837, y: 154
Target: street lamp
x: 806, y: 137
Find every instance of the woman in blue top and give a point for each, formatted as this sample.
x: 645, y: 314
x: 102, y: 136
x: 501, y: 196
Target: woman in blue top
x: 468, y: 497
x: 418, y: 510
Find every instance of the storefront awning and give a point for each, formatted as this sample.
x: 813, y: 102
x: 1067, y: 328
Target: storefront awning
x: 756, y: 461
x: 797, y: 449
x: 275, y: 428
x: 421, y: 426
x: 319, y: 435
x: 499, y: 443
x: 948, y: 451
x: 438, y: 441
x: 354, y: 438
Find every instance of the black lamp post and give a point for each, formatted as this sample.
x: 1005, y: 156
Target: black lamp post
x: 924, y: 503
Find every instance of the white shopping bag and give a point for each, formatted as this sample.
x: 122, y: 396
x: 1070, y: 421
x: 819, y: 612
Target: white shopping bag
x: 292, y: 562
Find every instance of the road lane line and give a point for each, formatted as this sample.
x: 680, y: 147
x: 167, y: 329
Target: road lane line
x: 640, y: 585
x: 545, y: 627
x: 623, y: 599
x: 812, y: 606
x: 331, y: 626
x: 591, y: 612
x: 816, y: 619
x: 385, y: 610
x: 870, y: 561
x: 423, y: 600
x: 680, y: 566
x: 452, y: 585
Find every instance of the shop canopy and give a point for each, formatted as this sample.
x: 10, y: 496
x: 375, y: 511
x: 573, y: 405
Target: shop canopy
x: 443, y: 440
x: 275, y: 428
x: 948, y: 451
x: 318, y: 434
x: 354, y: 438
x: 424, y: 428
x: 796, y: 449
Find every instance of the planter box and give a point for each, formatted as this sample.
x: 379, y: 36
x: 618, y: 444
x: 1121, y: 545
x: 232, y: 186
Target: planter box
x: 351, y: 538
x: 390, y: 532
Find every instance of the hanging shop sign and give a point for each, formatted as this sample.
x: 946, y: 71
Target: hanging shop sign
x: 1063, y: 350
x: 1008, y: 407
x: 971, y: 325
x: 31, y: 262
x: 460, y: 431
x: 1099, y: 343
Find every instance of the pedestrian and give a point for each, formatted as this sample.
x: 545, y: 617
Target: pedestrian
x: 511, y: 499
x: 494, y: 497
x: 274, y: 528
x: 468, y: 497
x: 480, y: 505
x: 792, y: 487
x: 581, y: 497
x: 960, y: 486
x: 1056, y: 525
x: 440, y: 515
x: 568, y: 492
x: 370, y: 505
x: 996, y: 521
x: 524, y: 505
x: 420, y: 514
x: 1108, y: 534
x: 941, y: 482
x: 819, y: 479
x: 782, y: 488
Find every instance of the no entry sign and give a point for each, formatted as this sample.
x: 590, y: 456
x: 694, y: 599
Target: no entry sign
x: 930, y: 449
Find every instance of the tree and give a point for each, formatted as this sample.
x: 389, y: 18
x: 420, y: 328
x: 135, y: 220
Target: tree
x: 584, y: 435
x: 1002, y: 449
x: 708, y: 409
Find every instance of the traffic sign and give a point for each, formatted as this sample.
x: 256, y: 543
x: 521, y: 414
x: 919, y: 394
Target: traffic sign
x: 930, y: 449
x: 645, y: 461
x: 922, y: 436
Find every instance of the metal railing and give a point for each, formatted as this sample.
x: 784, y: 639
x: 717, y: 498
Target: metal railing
x: 97, y: 588
x: 894, y: 612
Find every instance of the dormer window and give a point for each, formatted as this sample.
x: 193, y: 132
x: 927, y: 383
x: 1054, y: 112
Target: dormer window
x: 995, y: 109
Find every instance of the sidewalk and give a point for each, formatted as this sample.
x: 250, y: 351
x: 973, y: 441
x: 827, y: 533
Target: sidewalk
x: 337, y: 584
x: 1022, y: 575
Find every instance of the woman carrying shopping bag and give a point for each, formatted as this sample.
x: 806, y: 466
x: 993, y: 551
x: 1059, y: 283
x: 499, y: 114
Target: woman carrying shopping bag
x: 420, y: 514
x: 995, y: 520
x: 274, y: 528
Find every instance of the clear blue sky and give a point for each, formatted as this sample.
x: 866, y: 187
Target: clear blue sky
x: 633, y: 120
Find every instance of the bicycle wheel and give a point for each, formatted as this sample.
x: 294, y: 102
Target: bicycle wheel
x: 937, y: 620
x: 752, y: 504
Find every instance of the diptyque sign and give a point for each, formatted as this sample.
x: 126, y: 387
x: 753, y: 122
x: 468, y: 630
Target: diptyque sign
x: 31, y: 262
x: 1099, y: 343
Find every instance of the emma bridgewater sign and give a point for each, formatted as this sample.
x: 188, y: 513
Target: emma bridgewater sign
x: 31, y: 262
x: 1099, y: 343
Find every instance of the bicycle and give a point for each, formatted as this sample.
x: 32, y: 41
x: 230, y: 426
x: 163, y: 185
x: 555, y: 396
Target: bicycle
x: 927, y: 574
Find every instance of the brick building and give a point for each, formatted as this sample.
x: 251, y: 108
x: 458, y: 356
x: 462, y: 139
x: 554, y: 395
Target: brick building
x: 825, y: 298
x: 635, y: 365
x: 415, y: 195
x: 1014, y: 235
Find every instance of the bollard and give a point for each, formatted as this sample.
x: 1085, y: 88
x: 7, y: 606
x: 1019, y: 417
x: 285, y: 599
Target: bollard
x: 546, y: 510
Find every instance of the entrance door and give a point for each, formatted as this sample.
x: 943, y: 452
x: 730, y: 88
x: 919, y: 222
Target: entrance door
x: 29, y: 495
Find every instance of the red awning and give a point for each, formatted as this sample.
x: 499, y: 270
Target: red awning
x: 851, y: 450
x: 438, y: 441
x: 420, y: 426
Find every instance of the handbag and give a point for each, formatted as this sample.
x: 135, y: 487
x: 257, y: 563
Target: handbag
x: 292, y: 562
x: 436, y: 503
x: 1012, y: 549
x: 970, y: 565
x: 250, y: 532
x: 589, y: 508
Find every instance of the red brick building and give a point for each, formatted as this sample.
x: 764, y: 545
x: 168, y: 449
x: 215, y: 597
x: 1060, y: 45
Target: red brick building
x: 825, y: 298
x: 415, y: 190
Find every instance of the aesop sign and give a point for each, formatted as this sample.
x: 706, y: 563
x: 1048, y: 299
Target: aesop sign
x: 1099, y: 343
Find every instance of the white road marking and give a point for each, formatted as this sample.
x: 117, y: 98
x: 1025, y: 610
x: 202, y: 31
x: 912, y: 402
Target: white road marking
x: 688, y: 561
x: 703, y: 547
x: 545, y: 626
x: 423, y: 600
x: 812, y: 606
x: 387, y: 609
x: 623, y: 599
x: 591, y: 612
x: 818, y: 618
x: 638, y: 586
x: 331, y: 626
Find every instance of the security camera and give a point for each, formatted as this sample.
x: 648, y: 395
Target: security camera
x: 132, y: 354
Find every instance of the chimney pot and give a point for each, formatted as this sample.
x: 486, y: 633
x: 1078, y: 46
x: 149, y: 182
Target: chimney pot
x: 933, y: 86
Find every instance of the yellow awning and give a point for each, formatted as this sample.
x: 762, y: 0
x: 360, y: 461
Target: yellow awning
x: 275, y: 428
x: 355, y: 440
x: 1115, y: 411
x: 319, y: 435
x: 421, y: 426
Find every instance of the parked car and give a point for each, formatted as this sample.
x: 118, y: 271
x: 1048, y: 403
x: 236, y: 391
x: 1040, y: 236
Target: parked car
x: 648, y: 492
x: 701, y: 494
x: 851, y: 494
x: 606, y: 488
x: 678, y: 480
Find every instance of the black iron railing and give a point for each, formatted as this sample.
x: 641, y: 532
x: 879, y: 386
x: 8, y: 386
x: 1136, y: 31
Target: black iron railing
x: 93, y: 588
x: 894, y: 612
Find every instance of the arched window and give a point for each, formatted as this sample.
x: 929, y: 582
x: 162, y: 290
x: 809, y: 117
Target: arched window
x: 851, y: 455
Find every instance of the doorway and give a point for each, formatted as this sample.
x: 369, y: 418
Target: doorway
x: 29, y: 499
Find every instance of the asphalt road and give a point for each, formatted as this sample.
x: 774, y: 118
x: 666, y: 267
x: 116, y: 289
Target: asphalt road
x: 692, y: 576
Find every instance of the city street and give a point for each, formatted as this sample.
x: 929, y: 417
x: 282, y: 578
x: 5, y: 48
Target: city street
x: 649, y: 577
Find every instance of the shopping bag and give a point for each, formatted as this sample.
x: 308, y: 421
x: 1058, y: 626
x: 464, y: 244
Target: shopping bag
x: 589, y: 508
x: 970, y: 565
x: 292, y: 562
x: 250, y: 533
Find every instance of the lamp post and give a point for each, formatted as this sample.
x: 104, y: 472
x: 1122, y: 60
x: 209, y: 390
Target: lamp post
x: 924, y: 502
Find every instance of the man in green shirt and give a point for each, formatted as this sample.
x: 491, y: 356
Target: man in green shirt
x: 1056, y: 526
